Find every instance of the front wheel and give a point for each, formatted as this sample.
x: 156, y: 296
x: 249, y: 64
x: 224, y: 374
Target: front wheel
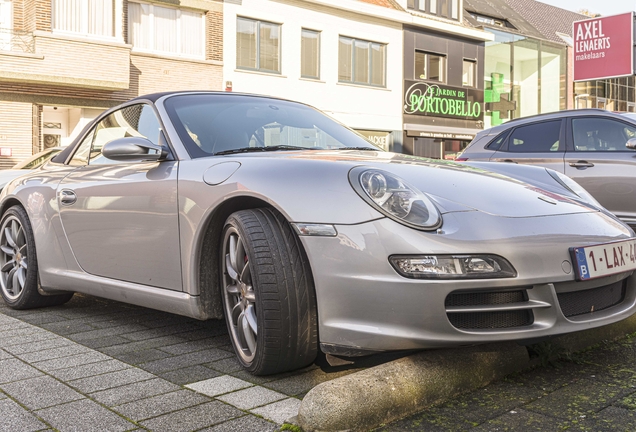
x: 268, y: 293
x: 19, y: 264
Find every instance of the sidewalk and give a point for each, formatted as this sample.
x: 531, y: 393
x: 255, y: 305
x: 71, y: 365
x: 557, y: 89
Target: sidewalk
x: 594, y: 391
x: 99, y: 365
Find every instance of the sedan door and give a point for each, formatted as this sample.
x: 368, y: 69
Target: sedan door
x: 539, y: 143
x: 121, y: 218
x: 599, y: 160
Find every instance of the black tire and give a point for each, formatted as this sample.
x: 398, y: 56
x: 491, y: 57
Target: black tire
x: 280, y: 289
x: 19, y: 256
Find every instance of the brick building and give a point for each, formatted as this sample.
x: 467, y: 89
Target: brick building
x: 62, y: 62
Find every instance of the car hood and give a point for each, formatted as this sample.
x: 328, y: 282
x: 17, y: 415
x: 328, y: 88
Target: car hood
x: 454, y: 187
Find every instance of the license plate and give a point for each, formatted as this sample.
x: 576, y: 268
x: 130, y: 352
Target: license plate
x: 604, y: 259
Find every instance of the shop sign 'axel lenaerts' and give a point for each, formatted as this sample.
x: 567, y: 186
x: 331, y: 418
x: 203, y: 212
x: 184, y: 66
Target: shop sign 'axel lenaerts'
x: 442, y: 101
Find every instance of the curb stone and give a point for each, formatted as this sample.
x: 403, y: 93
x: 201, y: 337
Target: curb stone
x: 367, y: 399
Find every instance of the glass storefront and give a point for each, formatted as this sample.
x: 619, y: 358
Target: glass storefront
x: 616, y: 94
x: 525, y: 71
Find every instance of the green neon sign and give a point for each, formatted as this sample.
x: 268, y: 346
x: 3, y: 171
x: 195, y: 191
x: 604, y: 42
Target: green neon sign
x: 442, y: 101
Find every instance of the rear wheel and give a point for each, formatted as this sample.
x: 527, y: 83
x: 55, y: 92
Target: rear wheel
x: 19, y: 264
x: 268, y: 293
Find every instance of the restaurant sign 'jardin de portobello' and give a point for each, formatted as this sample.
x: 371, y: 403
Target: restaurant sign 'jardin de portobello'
x: 438, y: 100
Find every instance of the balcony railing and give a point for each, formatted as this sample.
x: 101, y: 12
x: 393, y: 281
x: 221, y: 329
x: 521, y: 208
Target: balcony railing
x: 17, y: 41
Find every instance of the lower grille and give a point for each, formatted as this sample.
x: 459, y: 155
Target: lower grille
x: 592, y: 300
x: 483, y: 320
x: 486, y: 298
x: 491, y: 320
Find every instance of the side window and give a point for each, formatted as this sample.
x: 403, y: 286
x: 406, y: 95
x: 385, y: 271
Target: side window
x: 497, y: 142
x: 595, y: 134
x: 536, y: 138
x: 135, y: 120
x: 81, y: 156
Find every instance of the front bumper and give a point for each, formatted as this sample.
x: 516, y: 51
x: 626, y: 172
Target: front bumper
x: 363, y: 304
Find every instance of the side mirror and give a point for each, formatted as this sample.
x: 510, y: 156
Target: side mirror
x: 133, y: 149
x: 631, y: 144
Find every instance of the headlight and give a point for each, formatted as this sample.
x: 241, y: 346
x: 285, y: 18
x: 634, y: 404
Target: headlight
x: 392, y: 196
x: 573, y: 187
x: 453, y: 267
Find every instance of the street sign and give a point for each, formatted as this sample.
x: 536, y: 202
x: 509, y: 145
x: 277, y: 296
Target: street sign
x: 604, y: 47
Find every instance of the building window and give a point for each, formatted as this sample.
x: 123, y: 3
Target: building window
x: 361, y: 62
x: 92, y: 17
x: 165, y: 30
x: 443, y: 8
x: 469, y: 71
x: 430, y: 67
x: 310, y: 54
x: 257, y: 45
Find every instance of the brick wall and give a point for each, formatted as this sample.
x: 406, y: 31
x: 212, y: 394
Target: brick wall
x: 125, y: 21
x: 214, y: 35
x: 70, y: 62
x: 16, y: 131
x: 158, y: 74
x: 43, y: 15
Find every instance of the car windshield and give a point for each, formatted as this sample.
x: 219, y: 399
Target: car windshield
x: 37, y: 160
x: 222, y: 124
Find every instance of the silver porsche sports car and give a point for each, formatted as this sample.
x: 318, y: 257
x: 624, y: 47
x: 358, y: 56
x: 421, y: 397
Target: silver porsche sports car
x: 305, y: 236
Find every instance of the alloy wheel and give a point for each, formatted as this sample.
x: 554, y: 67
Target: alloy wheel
x: 239, y: 295
x: 13, y: 258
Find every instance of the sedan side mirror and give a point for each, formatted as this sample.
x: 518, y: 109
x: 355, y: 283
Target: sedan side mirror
x: 133, y: 149
x: 631, y: 144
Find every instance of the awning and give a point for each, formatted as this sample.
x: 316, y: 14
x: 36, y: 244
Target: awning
x: 441, y: 132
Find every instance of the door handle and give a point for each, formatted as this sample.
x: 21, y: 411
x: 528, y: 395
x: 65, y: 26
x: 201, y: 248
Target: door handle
x: 581, y: 164
x: 67, y: 197
x: 509, y: 161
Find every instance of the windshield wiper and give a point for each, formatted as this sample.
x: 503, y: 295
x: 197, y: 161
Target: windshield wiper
x: 357, y: 148
x: 265, y: 149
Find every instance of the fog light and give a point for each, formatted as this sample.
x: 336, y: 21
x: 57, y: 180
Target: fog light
x: 453, y: 266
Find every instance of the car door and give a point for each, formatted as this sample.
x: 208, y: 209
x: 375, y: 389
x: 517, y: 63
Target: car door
x: 598, y: 159
x: 538, y: 143
x: 121, y: 218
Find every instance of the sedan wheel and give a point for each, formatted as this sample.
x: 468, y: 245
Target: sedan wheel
x: 19, y: 265
x: 268, y: 293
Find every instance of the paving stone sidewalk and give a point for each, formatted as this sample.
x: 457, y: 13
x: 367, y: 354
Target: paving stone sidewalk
x: 592, y: 391
x: 99, y: 365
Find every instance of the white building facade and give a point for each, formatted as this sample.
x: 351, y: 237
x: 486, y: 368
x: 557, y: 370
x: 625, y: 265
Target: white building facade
x: 344, y: 57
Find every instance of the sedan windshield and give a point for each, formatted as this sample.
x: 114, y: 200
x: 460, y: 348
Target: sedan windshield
x: 225, y: 124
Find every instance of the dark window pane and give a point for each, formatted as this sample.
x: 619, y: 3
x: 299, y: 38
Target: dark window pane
x: 592, y: 134
x: 361, y: 57
x: 443, y: 8
x: 420, y: 65
x: 269, y: 47
x: 309, y: 54
x: 344, y: 59
x: 377, y: 64
x: 437, y: 67
x: 246, y: 43
x: 539, y: 137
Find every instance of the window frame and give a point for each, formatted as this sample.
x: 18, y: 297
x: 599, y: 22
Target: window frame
x: 427, y: 66
x: 258, y: 46
x: 153, y: 50
x: 369, y: 65
x: 318, y: 33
